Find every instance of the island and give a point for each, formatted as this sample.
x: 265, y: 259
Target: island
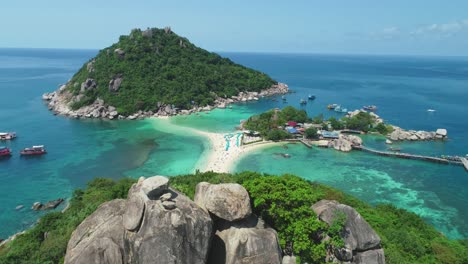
x: 155, y: 72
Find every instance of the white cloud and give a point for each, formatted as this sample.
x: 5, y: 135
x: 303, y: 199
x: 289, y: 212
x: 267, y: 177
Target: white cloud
x: 387, y: 33
x: 444, y: 30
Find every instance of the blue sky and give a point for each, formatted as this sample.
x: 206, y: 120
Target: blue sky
x: 413, y: 27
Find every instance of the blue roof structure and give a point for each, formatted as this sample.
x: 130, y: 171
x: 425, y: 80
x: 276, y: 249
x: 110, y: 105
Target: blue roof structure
x: 328, y: 134
x: 292, y: 130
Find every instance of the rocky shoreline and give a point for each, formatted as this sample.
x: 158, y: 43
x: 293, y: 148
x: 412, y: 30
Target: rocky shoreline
x: 60, y: 100
x: 400, y: 134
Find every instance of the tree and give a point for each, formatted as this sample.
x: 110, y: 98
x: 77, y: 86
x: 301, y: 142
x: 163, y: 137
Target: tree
x: 277, y: 134
x: 310, y: 133
x: 335, y: 124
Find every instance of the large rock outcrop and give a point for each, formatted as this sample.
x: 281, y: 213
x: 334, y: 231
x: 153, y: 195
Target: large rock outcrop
x: 240, y: 236
x: 227, y: 201
x: 99, y: 238
x: 345, y: 143
x: 159, y: 225
x: 247, y: 241
x: 155, y: 224
x: 362, y: 244
x: 399, y: 134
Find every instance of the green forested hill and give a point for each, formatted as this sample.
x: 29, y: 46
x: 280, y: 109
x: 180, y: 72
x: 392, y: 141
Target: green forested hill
x: 158, y: 66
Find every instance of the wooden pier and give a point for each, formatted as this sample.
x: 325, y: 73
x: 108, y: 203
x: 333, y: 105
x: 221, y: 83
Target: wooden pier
x: 351, y: 131
x: 410, y: 156
x: 307, y: 144
x: 465, y: 163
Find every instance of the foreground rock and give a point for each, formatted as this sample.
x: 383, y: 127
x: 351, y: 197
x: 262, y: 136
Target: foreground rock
x: 37, y: 206
x: 240, y: 236
x: 362, y: 244
x: 99, y: 238
x: 143, y: 230
x: 227, y: 201
x: 247, y: 241
x: 159, y: 225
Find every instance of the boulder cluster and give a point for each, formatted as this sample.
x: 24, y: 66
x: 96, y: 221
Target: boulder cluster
x: 38, y: 206
x: 157, y: 224
x: 361, y: 243
x: 345, y: 143
x: 400, y: 134
x: 60, y: 101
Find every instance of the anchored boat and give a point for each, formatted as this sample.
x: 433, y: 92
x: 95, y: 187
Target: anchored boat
x: 5, y: 152
x: 332, y: 106
x: 340, y: 109
x: 7, y: 135
x: 370, y: 107
x: 34, y: 150
x: 311, y: 97
x: 303, y: 102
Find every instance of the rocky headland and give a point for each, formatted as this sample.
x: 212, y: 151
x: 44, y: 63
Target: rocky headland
x: 159, y: 224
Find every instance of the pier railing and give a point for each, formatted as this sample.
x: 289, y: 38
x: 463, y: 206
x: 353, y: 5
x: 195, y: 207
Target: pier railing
x: 408, y: 156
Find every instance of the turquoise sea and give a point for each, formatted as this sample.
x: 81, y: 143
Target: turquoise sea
x: 79, y: 150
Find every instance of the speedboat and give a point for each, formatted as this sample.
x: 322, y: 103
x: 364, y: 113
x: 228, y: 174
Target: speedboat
x: 311, y: 97
x: 303, y: 102
x: 332, y: 106
x: 5, y: 152
x: 34, y: 150
x: 339, y: 109
x: 7, y: 135
x: 431, y: 110
x: 370, y: 107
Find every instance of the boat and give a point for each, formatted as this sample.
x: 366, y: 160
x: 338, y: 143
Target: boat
x: 431, y: 110
x: 394, y: 149
x: 339, y: 109
x: 332, y: 106
x: 370, y: 107
x: 7, y: 135
x: 34, y: 150
x: 286, y: 155
x: 283, y: 97
x: 4, y: 152
x: 303, y: 102
x: 311, y: 97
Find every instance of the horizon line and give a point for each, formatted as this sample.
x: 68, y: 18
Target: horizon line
x: 267, y: 52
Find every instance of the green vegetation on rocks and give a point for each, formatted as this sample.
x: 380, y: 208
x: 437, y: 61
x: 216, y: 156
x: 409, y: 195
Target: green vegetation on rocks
x: 47, y: 241
x: 155, y: 67
x: 268, y: 123
x: 284, y: 202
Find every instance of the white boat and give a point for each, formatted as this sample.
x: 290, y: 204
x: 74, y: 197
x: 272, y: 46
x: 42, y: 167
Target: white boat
x: 431, y: 110
x: 7, y: 135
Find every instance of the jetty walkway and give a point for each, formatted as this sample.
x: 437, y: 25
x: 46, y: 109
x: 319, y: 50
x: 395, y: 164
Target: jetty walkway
x: 465, y: 163
x: 409, y: 156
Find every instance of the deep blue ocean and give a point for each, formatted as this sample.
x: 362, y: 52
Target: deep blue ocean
x: 402, y: 87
